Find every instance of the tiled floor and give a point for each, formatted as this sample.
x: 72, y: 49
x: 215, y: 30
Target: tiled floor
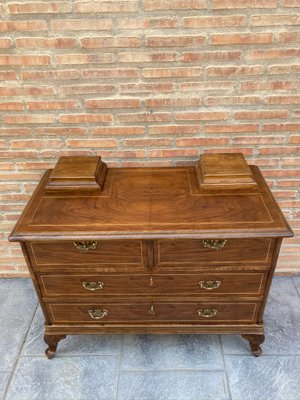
x: 148, y: 367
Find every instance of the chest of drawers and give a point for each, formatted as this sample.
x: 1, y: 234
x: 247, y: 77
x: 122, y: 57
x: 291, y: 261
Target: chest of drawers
x: 153, y: 251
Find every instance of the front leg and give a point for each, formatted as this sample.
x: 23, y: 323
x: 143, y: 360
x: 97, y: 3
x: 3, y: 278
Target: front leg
x: 255, y: 341
x: 52, y: 342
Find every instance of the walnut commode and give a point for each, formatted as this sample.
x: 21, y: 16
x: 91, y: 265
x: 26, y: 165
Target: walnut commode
x: 152, y: 250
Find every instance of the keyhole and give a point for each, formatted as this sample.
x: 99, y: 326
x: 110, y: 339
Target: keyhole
x: 151, y: 281
x: 151, y: 311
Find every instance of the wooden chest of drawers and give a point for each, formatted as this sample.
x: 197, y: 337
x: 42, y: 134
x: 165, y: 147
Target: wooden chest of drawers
x: 152, y: 252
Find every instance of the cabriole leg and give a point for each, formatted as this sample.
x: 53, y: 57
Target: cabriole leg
x: 52, y: 342
x: 255, y: 341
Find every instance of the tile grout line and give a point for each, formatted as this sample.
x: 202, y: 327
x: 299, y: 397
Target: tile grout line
x: 19, y: 353
x: 225, y: 368
x: 119, y: 368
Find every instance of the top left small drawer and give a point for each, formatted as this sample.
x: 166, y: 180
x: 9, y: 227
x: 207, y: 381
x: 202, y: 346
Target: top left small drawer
x: 71, y: 253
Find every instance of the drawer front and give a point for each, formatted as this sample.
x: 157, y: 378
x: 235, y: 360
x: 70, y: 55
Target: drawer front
x: 106, y: 252
x: 233, y: 251
x: 110, y: 312
x: 209, y: 284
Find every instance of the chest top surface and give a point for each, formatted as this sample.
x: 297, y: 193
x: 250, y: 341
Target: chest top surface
x: 149, y: 203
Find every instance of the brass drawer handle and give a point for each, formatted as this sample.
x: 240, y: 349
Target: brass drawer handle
x: 93, y: 285
x: 98, y: 314
x: 207, y: 312
x: 214, y: 244
x: 209, y: 285
x: 85, y: 246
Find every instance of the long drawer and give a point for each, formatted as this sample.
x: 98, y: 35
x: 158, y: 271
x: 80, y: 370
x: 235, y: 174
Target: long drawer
x: 209, y: 284
x: 211, y: 251
x: 105, y: 312
x: 47, y: 255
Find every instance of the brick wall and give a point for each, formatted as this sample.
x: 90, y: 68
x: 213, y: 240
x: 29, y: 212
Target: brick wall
x: 148, y: 82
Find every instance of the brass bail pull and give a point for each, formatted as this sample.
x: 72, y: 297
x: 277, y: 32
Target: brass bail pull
x: 98, y: 314
x: 93, y: 285
x: 85, y: 246
x: 214, y: 244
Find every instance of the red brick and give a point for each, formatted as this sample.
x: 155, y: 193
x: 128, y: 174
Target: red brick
x: 207, y: 86
x: 163, y: 22
x: 14, y: 131
x: 290, y: 161
x: 201, y: 116
x: 35, y: 144
x: 22, y: 60
x: 53, y: 105
x: 279, y: 150
x: 30, y: 119
x: 92, y: 143
x: 272, y: 53
x: 289, y: 37
x: 50, y: 74
x: 237, y: 128
x: 5, y: 43
x: 173, y: 129
x: 273, y: 20
x: 22, y: 26
x: 18, y: 154
x: 284, y: 69
x: 258, y: 140
x: 175, y: 41
x: 146, y: 87
x: 8, y: 76
x: 56, y: 154
x: 107, y: 7
x: 147, y: 57
x: 214, y: 22
x: 51, y: 43
x: 173, y: 102
x: 27, y: 91
x: 85, y: 118
x: 81, y: 25
x: 232, y: 100
x: 143, y: 23
x: 70, y: 131
x: 145, y: 117
x: 190, y: 142
x: 39, y: 8
x: 242, y: 38
x: 147, y: 142
x: 111, y: 73
x: 294, y: 139
x: 86, y: 89
x: 296, y: 113
x: 173, y: 153
x: 227, y: 4
x: 102, y: 58
x: 285, y: 127
x: 235, y: 70
x: 113, y: 103
x: 171, y: 72
x: 260, y: 114
x: 291, y: 3
x: 151, y: 5
x: 103, y: 42
x: 117, y: 130
x: 11, y: 106
x: 270, y: 85
x: 211, y: 56
x: 283, y: 99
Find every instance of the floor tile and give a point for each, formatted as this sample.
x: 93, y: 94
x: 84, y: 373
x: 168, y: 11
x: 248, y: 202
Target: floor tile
x: 172, y: 385
x: 18, y: 302
x: 171, y: 352
x: 78, y: 378
x: 296, y: 280
x: 73, y: 345
x: 264, y: 378
x: 282, y: 323
x: 4, y: 378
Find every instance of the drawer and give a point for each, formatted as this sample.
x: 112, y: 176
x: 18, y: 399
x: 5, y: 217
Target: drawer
x: 105, y: 312
x: 105, y: 252
x: 209, y: 284
x: 233, y: 251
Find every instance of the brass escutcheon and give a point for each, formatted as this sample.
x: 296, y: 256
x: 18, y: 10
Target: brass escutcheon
x: 209, y: 285
x: 207, y: 312
x: 214, y: 244
x: 98, y: 314
x: 93, y: 285
x: 85, y: 246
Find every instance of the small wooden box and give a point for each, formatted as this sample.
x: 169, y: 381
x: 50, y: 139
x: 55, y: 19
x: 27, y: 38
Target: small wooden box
x: 78, y: 172
x: 224, y: 170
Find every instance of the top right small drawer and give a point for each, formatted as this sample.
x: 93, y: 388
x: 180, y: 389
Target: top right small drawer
x: 230, y: 251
